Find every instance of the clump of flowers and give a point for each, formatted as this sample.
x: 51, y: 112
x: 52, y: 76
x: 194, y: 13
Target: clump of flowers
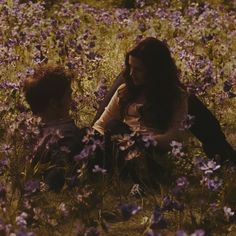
x: 176, y: 150
x: 92, y: 142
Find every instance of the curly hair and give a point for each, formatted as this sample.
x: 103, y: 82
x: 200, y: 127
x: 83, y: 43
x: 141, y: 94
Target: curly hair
x: 48, y: 82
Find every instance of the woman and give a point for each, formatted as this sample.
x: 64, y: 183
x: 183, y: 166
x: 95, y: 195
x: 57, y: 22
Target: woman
x: 152, y: 100
x: 205, y: 126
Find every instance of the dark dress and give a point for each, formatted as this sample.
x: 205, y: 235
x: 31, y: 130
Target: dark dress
x: 205, y: 127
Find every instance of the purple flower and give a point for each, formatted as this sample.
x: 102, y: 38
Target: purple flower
x: 128, y: 210
x: 85, y: 153
x: 157, y: 220
x: 12, y: 42
x: 9, y: 85
x: 140, y: 3
x: 142, y: 27
x: 63, y: 209
x: 209, y: 166
x: 176, y: 145
x: 160, y: 12
x: 21, y: 220
x: 98, y: 169
x: 24, y: 233
x: 198, y: 232
x: 55, y: 136
x: 31, y: 187
x: 181, y: 233
x: 6, y: 148
x: 228, y: 212
x: 182, y: 182
x: 79, y: 48
x: 80, y: 230
x: 101, y: 90
x: 187, y: 122
x: 92, y: 142
x: 199, y: 161
x: 77, y: 22
x: 120, y: 35
x: 92, y: 231
x: 227, y: 86
x: 2, y: 228
x: 193, y: 9
x: 152, y: 233
x: 170, y: 205
x: 207, y: 38
x: 121, y: 14
x: 125, y: 141
x: 211, y: 183
x: 176, y: 150
x: 29, y: 71
x: 176, y: 18
x: 97, y: 144
x: 149, y: 140
x: 93, y: 56
x: 92, y: 138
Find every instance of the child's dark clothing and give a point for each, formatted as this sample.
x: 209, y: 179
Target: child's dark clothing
x: 53, y: 157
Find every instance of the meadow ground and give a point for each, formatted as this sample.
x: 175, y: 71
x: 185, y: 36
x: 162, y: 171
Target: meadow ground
x: 199, y: 198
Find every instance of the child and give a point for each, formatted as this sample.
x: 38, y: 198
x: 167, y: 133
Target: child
x: 48, y: 93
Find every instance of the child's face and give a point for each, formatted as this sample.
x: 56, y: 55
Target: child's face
x: 137, y: 70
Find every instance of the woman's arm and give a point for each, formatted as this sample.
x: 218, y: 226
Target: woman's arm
x: 112, y: 111
x: 117, y: 82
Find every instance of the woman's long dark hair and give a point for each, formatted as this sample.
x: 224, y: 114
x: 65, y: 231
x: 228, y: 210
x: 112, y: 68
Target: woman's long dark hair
x: 162, y: 86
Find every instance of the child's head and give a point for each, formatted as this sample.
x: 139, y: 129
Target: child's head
x: 48, y: 92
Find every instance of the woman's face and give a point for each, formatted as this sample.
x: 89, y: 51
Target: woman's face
x: 137, y: 70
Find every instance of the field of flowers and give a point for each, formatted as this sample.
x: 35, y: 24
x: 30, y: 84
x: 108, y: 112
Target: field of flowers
x: 199, y: 197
